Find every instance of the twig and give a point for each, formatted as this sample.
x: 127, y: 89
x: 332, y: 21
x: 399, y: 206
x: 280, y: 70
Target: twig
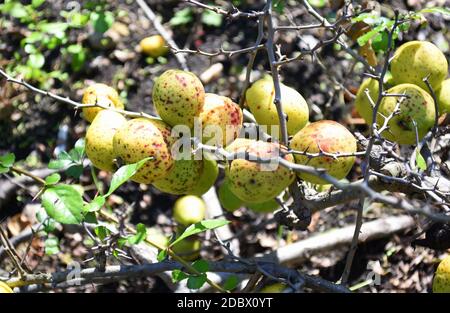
x: 67, y: 100
x: 162, y: 31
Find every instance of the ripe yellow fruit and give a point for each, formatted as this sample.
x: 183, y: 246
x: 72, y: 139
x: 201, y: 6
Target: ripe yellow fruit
x: 182, y: 178
x: 252, y: 182
x: 188, y: 249
x: 441, y: 280
x: 327, y: 136
x: 99, y: 139
x: 189, y: 210
x: 362, y: 103
x: 259, y: 98
x: 101, y: 94
x: 415, y: 60
x: 178, y: 97
x: 4, y: 288
x: 207, y: 178
x: 443, y: 97
x: 418, y: 107
x: 154, y: 46
x: 221, y: 120
x: 141, y: 138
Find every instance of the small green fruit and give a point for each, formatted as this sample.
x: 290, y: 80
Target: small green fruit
x: 418, y: 106
x: 327, y: 136
x: 178, y: 97
x: 441, y: 280
x: 208, y: 176
x: 188, y: 249
x: 154, y: 46
x: 99, y: 139
x: 189, y: 210
x: 252, y: 182
x: 259, y: 98
x: 141, y: 138
x: 415, y: 60
x: 182, y: 178
x: 443, y: 97
x: 101, y: 94
x: 362, y: 103
x: 228, y: 199
x: 221, y: 120
x: 264, y: 207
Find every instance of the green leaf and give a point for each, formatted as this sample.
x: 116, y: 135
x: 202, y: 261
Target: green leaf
x: 182, y: 17
x: 90, y: 218
x: 95, y: 205
x: 102, y: 232
x: 368, y: 18
x: 74, y: 48
x: 141, y: 234
x: 48, y: 223
x: 438, y: 10
x: 56, y: 28
x: 7, y: 160
x: 369, y: 35
x: 102, y: 21
x: 75, y: 170
x: 380, y: 42
x: 278, y: 6
x: 123, y: 174
x: 18, y: 10
x: 211, y: 18
x: 78, y: 150
x: 63, y: 203
x: 162, y: 255
x: 36, y: 60
x: 231, y: 283
x: 80, y: 147
x: 77, y: 19
x: 33, y: 37
x: 51, y: 246
x: 420, y: 161
x: 78, y: 61
x: 178, y: 275
x: 115, y: 253
x: 52, y: 179
x: 30, y: 49
x: 63, y: 160
x: 196, y: 282
x: 200, y: 227
x: 201, y: 265
x: 121, y: 242
x: 37, y: 3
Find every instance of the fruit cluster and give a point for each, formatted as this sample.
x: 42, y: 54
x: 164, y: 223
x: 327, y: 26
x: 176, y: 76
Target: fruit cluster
x: 180, y: 98
x: 413, y: 62
x: 181, y: 101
